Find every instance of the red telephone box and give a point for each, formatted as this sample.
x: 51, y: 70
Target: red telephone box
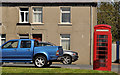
x: 102, y: 47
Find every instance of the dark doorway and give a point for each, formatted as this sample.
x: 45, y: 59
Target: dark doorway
x: 37, y: 37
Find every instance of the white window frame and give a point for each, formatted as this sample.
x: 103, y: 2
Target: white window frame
x: 20, y: 20
x: 1, y: 39
x: 63, y: 38
x: 24, y: 36
x: 38, y: 12
x: 65, y: 12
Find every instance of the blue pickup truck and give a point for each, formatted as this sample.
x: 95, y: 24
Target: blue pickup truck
x: 27, y: 50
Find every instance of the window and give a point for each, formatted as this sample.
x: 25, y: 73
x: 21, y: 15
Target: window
x: 25, y: 44
x: 24, y: 15
x: 37, y: 15
x: 65, y: 15
x: 65, y: 41
x: 24, y: 36
x: 36, y: 43
x: 11, y: 44
x: 2, y: 39
x: 37, y: 37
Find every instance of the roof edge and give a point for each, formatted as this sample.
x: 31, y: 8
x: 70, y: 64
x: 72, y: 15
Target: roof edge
x: 49, y: 1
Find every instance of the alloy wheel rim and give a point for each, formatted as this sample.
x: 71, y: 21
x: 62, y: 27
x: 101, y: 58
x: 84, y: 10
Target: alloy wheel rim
x: 66, y: 60
x: 39, y: 61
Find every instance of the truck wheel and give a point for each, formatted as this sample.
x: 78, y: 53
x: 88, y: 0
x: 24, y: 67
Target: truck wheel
x: 67, y: 59
x: 48, y: 64
x: 40, y: 61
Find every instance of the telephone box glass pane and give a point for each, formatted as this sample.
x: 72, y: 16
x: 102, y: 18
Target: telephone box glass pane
x: 102, y: 44
x: 102, y: 40
x: 102, y: 48
x: 102, y: 36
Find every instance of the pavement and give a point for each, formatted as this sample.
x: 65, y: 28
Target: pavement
x: 115, y: 67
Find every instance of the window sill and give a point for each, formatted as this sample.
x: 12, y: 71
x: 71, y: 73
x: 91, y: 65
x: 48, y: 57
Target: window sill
x: 23, y: 24
x: 37, y: 23
x: 65, y: 24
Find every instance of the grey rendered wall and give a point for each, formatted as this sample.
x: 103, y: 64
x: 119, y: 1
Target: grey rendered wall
x: 51, y: 28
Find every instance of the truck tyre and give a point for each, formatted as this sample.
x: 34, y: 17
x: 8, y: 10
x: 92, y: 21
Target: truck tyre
x: 67, y: 59
x: 40, y: 61
x: 48, y: 64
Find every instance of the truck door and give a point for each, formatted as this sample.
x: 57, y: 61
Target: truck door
x: 25, y: 50
x: 9, y: 50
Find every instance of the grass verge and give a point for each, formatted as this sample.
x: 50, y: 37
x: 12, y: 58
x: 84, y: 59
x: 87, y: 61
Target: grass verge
x: 62, y: 71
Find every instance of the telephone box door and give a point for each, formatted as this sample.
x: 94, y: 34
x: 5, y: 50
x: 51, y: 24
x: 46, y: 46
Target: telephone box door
x: 102, y: 51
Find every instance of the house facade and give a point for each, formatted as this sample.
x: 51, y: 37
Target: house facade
x: 61, y: 22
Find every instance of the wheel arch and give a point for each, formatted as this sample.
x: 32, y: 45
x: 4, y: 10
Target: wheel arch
x: 41, y: 54
x: 67, y: 55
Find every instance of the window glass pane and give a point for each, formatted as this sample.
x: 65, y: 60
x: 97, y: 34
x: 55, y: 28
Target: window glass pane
x: 65, y: 14
x: 7, y: 45
x: 34, y: 17
x: 102, y: 40
x: 11, y: 44
x: 65, y: 41
x: 65, y: 9
x: 27, y: 17
x: 65, y: 35
x: 102, y: 44
x: 65, y: 17
x: 3, y: 36
x: 14, y: 45
x: 102, y: 48
x: 36, y: 44
x: 3, y: 41
x: 102, y: 36
x: 37, y: 9
x: 22, y: 16
x: 23, y: 9
x: 66, y: 44
x: 40, y: 17
x: 37, y: 16
x: 25, y: 44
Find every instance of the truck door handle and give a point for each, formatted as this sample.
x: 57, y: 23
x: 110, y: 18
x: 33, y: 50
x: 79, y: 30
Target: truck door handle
x: 28, y: 50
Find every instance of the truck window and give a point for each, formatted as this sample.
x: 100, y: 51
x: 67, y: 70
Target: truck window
x: 36, y: 43
x: 25, y: 44
x: 11, y: 44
